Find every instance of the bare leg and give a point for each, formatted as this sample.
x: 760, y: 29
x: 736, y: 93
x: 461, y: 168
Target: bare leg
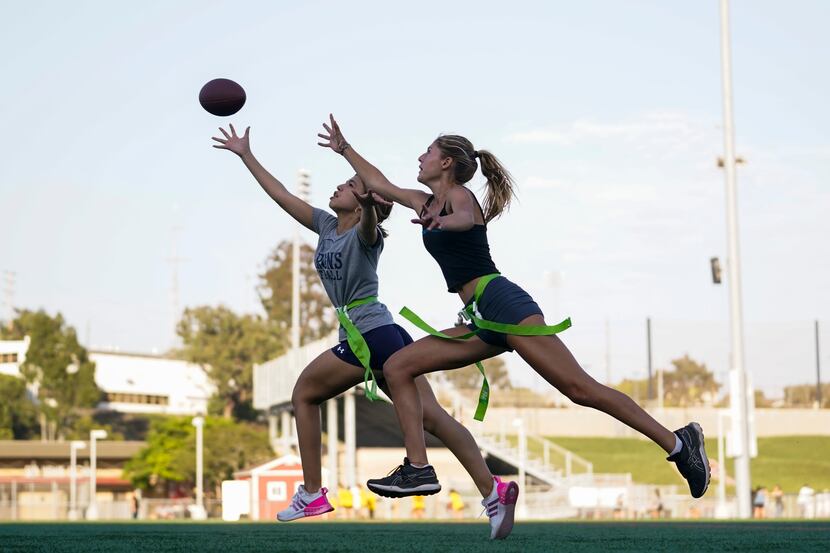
x: 324, y: 378
x: 424, y: 356
x: 327, y: 377
x: 551, y: 359
x: 455, y: 436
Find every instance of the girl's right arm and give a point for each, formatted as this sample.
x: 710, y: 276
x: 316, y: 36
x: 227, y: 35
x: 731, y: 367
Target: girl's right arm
x: 368, y: 173
x: 294, y: 206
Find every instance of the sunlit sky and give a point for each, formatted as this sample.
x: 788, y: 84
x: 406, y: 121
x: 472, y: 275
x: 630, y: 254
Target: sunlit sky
x: 608, y: 114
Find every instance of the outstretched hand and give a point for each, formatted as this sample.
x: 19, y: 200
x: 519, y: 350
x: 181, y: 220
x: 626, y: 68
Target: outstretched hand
x: 427, y: 220
x: 236, y: 144
x: 334, y: 139
x: 371, y: 199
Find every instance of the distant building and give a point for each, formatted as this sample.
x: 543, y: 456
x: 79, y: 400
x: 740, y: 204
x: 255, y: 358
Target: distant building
x: 137, y: 383
x: 35, y: 479
x: 132, y: 383
x: 12, y: 355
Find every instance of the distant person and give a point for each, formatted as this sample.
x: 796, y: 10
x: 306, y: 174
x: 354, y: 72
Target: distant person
x: 503, y: 316
x: 806, y: 501
x: 346, y: 501
x: 619, y: 507
x: 368, y: 501
x: 777, y: 497
x: 657, y: 505
x: 759, y: 503
x: 456, y: 505
x: 135, y: 503
x: 348, y: 251
x: 418, y: 506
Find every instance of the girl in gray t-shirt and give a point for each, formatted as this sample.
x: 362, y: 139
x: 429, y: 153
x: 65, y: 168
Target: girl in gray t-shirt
x: 346, y: 258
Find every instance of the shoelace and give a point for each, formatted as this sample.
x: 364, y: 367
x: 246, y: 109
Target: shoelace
x: 396, y: 470
x: 484, y: 510
x: 295, y: 502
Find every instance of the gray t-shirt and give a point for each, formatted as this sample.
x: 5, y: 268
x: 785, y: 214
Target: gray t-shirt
x: 348, y: 268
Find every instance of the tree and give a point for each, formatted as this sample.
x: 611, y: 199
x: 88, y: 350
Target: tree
x: 58, y: 366
x: 690, y: 383
x: 317, y: 318
x: 169, y: 459
x: 805, y: 395
x: 636, y: 389
x: 470, y: 377
x: 18, y: 416
x: 83, y: 425
x: 227, y: 346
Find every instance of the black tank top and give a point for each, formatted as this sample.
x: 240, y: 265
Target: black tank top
x: 463, y: 255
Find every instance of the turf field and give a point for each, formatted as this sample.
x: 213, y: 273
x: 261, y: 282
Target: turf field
x: 416, y: 537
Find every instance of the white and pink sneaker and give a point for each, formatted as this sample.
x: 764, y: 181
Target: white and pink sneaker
x: 501, y: 506
x: 305, y: 504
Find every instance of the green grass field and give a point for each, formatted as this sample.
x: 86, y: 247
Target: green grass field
x: 415, y: 537
x: 789, y: 461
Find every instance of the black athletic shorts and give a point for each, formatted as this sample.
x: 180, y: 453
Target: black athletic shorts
x: 503, y: 302
x: 383, y: 341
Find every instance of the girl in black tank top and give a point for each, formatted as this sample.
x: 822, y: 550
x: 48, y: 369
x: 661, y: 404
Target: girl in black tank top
x: 449, y: 162
x: 463, y: 255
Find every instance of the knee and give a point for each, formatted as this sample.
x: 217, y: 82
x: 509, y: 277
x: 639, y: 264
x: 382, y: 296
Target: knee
x: 582, y: 393
x: 395, y: 368
x: 431, y: 419
x: 303, y: 394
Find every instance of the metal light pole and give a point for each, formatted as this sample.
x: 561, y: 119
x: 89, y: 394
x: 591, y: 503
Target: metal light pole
x: 738, y: 396
x: 198, y: 511
x: 74, y: 446
x: 303, y: 190
x: 818, y: 370
x: 648, y: 352
x: 94, y: 436
x: 721, y: 511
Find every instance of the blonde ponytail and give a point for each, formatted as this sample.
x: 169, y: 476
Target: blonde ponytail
x: 500, y: 185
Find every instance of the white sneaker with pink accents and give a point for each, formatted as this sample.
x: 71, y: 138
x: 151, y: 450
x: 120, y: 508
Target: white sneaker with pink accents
x: 501, y: 506
x: 305, y: 504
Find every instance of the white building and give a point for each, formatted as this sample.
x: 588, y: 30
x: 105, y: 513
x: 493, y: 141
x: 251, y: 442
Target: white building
x: 12, y: 355
x: 132, y: 383
x: 135, y: 383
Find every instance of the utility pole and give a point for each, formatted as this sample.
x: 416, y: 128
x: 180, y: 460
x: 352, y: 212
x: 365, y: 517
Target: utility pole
x: 738, y: 395
x: 818, y: 369
x: 648, y: 348
x: 303, y: 192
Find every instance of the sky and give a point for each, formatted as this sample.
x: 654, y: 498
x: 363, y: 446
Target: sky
x: 608, y: 114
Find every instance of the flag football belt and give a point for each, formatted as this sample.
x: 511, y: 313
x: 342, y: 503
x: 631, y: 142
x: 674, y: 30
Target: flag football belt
x: 358, y: 344
x: 471, y: 313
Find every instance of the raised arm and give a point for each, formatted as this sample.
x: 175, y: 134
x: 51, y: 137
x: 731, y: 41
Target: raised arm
x: 368, y: 226
x: 369, y: 174
x: 240, y: 145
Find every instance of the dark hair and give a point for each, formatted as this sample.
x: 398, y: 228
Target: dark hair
x: 500, y: 185
x: 382, y: 212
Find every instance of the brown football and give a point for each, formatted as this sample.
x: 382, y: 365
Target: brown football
x: 222, y: 97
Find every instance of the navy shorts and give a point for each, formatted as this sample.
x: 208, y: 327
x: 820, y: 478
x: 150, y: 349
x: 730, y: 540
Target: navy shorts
x: 383, y: 341
x: 503, y: 302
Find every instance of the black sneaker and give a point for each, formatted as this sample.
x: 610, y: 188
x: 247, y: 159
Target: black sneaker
x: 406, y: 480
x: 691, y: 460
